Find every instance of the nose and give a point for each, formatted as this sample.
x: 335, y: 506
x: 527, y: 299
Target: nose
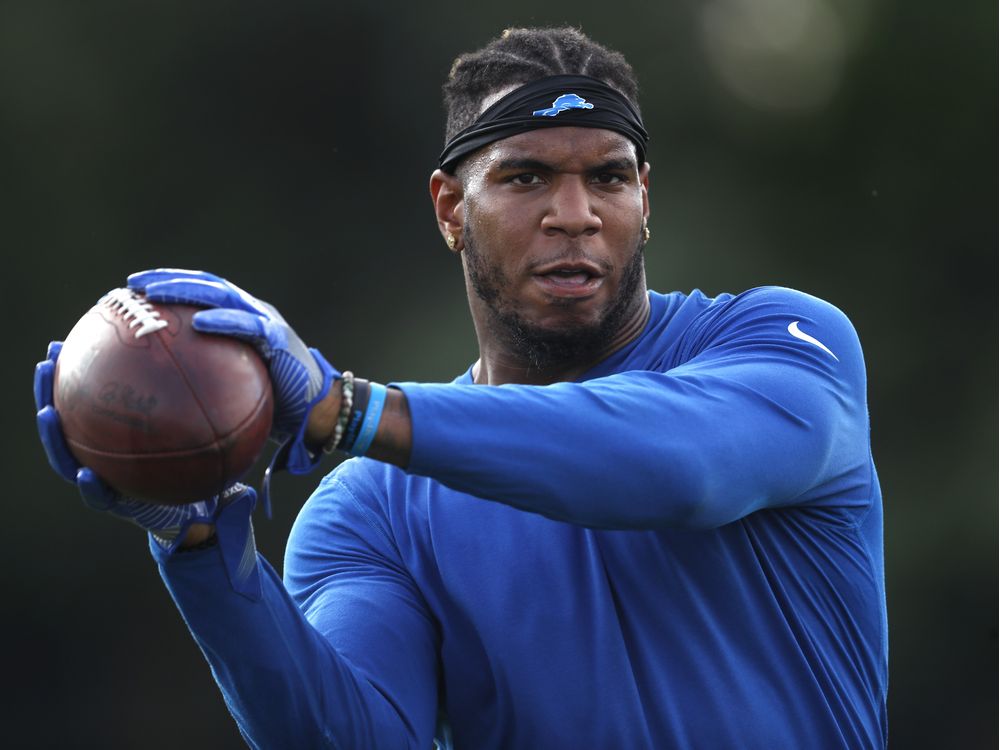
x: 571, y: 209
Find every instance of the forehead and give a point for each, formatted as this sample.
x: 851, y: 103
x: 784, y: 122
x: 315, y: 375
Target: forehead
x: 564, y: 148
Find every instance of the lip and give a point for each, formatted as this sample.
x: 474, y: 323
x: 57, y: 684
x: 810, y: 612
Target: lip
x: 586, y: 266
x: 569, y: 279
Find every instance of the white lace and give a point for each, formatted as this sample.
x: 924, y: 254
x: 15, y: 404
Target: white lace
x: 130, y: 306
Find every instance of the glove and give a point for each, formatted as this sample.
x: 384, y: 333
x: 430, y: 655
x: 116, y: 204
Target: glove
x: 166, y: 524
x: 300, y: 376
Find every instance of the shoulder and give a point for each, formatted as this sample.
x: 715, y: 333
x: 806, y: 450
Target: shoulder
x: 774, y: 311
x: 346, y: 511
x: 768, y: 299
x: 774, y: 326
x: 360, y: 495
x: 350, y: 483
x: 765, y: 301
x: 806, y: 318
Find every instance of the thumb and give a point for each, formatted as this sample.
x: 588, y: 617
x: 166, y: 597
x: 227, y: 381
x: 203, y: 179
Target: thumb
x: 95, y: 493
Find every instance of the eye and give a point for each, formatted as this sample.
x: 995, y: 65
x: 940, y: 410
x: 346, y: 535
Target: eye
x: 526, y: 178
x: 609, y: 178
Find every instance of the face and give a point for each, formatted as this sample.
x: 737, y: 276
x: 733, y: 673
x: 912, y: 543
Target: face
x: 552, y: 224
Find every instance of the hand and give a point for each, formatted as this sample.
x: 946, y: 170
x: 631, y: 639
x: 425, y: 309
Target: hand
x: 301, y: 377
x: 229, y: 512
x: 167, y: 523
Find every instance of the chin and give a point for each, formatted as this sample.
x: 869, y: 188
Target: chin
x: 570, y: 312
x: 556, y: 338
x: 568, y: 321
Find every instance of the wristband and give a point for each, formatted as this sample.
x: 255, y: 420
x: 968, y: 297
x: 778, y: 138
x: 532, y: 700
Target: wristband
x: 362, y: 391
x: 369, y: 424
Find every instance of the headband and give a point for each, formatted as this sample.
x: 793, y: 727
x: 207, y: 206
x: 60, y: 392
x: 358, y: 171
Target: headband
x: 555, y: 101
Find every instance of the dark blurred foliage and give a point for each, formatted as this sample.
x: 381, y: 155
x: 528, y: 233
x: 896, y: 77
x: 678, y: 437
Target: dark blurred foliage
x: 842, y: 147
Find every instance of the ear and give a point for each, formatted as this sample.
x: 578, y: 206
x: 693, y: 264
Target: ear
x: 644, y: 184
x: 449, y: 205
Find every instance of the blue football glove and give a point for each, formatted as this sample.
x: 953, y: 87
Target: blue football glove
x: 167, y: 524
x: 300, y: 376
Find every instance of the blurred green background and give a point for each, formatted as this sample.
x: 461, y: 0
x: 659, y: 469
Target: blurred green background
x: 842, y: 147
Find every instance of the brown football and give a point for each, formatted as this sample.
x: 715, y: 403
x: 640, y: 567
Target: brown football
x: 159, y: 411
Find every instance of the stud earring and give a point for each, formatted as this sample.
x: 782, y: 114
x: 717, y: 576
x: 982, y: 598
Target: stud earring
x: 645, y: 234
x: 450, y: 241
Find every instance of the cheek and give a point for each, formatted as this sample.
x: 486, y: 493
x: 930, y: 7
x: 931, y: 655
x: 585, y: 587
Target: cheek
x: 499, y: 235
x: 490, y: 215
x: 627, y: 230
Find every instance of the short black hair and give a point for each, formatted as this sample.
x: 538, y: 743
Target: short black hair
x: 519, y: 56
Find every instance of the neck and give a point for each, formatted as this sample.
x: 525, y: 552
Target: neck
x: 500, y: 362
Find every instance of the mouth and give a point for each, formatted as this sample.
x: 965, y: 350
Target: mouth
x: 569, y: 279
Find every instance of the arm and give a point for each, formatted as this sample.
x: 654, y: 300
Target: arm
x: 752, y: 417
x: 755, y: 418
x: 290, y: 677
x: 345, y: 657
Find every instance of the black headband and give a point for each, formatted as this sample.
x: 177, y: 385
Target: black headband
x: 556, y: 101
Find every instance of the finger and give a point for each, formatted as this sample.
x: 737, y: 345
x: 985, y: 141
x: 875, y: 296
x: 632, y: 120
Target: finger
x: 170, y: 285
x: 272, y: 311
x: 95, y: 493
x: 204, y: 294
x: 243, y: 325
x: 193, y: 292
x: 55, y: 347
x: 44, y: 375
x: 54, y: 442
x: 142, y: 279
x: 164, y: 518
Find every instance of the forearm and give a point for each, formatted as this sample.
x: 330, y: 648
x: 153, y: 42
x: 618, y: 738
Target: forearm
x: 284, y: 683
x: 639, y: 449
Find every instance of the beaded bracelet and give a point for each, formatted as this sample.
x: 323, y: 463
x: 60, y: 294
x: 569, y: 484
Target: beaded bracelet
x: 344, y: 415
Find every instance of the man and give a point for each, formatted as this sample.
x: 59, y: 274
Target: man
x: 662, y: 529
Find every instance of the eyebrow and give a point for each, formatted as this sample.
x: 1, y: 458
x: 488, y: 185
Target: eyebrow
x: 535, y: 165
x: 528, y: 165
x: 616, y: 165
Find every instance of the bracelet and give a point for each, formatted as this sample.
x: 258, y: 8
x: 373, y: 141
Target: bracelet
x: 362, y: 392
x: 369, y: 425
x: 346, y: 402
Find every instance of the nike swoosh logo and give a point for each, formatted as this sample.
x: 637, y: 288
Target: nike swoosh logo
x: 793, y: 328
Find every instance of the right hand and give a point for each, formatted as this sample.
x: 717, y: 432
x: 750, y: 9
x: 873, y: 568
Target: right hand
x: 301, y: 376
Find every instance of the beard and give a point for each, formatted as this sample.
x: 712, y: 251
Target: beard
x: 546, y: 348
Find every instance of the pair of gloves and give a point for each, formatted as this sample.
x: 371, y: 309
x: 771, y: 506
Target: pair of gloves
x: 300, y: 376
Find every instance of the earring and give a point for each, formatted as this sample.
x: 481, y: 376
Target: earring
x: 450, y: 241
x: 645, y: 234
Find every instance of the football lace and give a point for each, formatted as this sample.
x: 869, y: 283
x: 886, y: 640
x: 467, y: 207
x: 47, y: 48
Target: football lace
x: 141, y: 314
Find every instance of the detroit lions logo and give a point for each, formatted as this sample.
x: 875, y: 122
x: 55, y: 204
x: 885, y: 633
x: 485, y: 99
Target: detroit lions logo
x: 564, y: 102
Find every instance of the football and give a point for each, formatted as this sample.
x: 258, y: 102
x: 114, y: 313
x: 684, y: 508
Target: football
x: 160, y: 412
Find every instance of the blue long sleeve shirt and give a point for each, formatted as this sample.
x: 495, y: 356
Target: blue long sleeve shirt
x: 682, y: 549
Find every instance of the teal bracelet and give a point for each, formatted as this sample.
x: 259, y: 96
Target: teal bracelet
x: 373, y: 415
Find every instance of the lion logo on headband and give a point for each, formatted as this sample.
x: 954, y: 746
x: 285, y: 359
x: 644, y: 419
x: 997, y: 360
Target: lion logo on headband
x: 563, y: 103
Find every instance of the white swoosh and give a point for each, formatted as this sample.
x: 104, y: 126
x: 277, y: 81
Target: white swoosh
x: 793, y: 328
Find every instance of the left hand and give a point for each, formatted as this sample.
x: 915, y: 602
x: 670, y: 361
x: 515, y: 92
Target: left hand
x: 301, y: 377
x: 229, y: 513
